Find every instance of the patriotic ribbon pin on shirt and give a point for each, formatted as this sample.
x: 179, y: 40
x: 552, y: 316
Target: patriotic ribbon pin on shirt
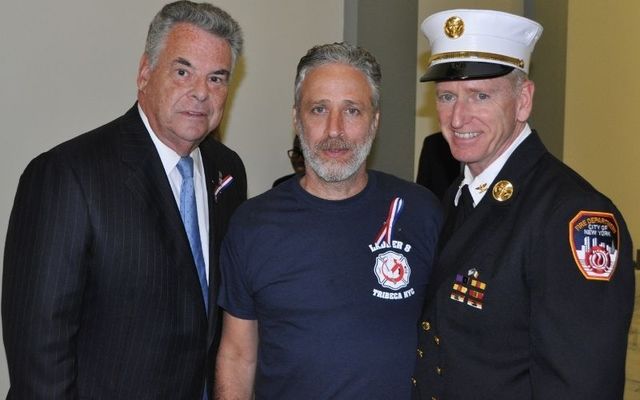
x: 387, y: 229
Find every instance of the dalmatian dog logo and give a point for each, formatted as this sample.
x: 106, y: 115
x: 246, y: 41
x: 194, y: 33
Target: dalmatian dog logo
x: 392, y: 270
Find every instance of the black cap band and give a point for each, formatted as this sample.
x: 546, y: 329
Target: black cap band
x: 464, y: 70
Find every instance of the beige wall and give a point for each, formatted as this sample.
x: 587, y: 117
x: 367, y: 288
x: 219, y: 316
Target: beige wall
x: 603, y: 101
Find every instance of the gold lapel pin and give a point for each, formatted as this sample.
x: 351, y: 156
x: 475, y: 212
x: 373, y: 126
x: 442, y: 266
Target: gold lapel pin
x: 502, y: 191
x: 482, y: 188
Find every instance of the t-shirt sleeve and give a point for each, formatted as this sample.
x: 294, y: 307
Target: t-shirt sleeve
x: 235, y: 295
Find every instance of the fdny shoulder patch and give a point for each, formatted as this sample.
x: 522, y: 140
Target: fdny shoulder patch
x: 595, y: 242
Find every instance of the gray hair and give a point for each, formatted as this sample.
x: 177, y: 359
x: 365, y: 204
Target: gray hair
x: 517, y: 78
x: 202, y: 15
x: 340, y: 53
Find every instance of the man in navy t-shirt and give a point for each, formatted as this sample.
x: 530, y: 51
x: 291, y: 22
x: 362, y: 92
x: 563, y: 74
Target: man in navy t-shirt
x: 324, y: 276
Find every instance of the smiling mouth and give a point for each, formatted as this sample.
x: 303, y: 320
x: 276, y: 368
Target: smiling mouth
x: 465, y: 135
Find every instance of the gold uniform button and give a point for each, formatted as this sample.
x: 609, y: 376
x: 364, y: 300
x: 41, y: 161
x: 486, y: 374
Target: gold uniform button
x: 426, y: 326
x: 436, y: 340
x: 434, y: 398
x: 439, y: 371
x: 414, y: 381
x: 420, y: 353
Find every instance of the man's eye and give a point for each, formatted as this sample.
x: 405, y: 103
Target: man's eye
x: 353, y: 111
x: 218, y: 79
x: 483, y: 96
x: 182, y: 72
x: 446, y: 98
x: 317, y: 109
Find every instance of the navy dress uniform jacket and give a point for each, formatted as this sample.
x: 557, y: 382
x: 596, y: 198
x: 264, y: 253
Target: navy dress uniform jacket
x: 101, y: 298
x: 534, y: 327
x: 437, y: 169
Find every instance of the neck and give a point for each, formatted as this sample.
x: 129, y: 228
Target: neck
x: 335, y: 190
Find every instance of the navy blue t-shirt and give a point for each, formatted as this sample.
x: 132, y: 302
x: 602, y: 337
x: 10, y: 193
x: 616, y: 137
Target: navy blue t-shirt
x: 337, y: 309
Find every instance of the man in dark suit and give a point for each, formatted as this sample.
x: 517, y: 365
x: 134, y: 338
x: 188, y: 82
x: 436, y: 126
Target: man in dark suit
x: 437, y: 169
x: 532, y: 293
x: 107, y: 293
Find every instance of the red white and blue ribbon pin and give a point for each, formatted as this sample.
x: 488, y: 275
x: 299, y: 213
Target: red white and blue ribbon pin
x: 387, y: 229
x: 223, y: 184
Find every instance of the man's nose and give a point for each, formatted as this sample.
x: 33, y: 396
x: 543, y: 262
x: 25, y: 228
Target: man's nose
x: 336, y: 124
x: 459, y: 114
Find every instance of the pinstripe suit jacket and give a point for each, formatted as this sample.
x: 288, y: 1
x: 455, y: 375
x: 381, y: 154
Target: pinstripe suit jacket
x: 100, y: 296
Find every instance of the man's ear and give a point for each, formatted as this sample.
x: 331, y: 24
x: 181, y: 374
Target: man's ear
x: 525, y: 101
x: 144, y: 72
x: 376, y: 122
x: 294, y: 119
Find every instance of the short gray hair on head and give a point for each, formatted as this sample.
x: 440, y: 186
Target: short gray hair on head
x: 340, y: 53
x: 202, y: 15
x: 517, y: 78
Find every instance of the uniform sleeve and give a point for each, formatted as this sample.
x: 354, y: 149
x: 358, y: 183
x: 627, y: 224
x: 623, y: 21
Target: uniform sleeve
x: 235, y: 295
x: 43, y: 281
x: 580, y: 310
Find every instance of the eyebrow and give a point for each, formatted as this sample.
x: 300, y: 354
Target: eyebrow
x: 182, y: 61
x: 186, y: 63
x: 347, y: 102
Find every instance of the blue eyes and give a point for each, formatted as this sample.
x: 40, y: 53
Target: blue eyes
x: 449, y: 98
x: 446, y: 98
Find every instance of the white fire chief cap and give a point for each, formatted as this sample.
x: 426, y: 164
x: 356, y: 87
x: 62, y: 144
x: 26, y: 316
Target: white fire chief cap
x: 478, y: 44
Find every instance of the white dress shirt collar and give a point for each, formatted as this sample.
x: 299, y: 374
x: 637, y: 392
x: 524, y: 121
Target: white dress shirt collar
x: 479, y: 185
x: 170, y: 160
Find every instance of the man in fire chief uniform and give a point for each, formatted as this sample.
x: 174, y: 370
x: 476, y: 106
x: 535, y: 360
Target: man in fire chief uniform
x: 532, y: 293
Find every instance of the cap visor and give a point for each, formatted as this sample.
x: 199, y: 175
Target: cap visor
x: 464, y: 70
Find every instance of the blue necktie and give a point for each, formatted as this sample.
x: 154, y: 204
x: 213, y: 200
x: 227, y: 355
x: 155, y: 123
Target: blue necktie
x: 189, y: 214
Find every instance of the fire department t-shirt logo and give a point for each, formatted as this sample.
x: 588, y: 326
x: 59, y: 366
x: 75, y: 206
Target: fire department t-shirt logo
x: 595, y: 244
x: 392, y: 270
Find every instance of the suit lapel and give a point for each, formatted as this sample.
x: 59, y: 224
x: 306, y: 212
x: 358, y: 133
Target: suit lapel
x: 447, y: 229
x: 213, y: 174
x: 148, y: 180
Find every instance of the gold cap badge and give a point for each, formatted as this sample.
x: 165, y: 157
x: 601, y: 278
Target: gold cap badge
x: 502, y: 190
x: 454, y: 27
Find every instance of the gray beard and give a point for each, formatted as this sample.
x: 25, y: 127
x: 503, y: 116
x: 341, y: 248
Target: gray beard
x: 332, y: 170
